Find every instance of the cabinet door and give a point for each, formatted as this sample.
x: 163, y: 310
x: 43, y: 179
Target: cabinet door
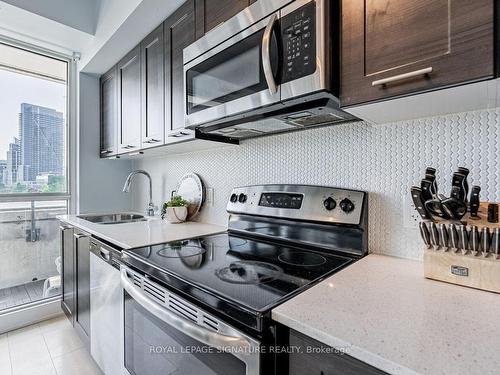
x: 319, y: 359
x: 392, y: 48
x: 153, y: 92
x: 211, y: 13
x: 68, y: 302
x: 82, y: 252
x: 179, y: 33
x: 108, y: 97
x: 129, y: 101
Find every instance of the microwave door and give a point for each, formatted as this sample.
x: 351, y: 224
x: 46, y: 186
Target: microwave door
x: 235, y: 77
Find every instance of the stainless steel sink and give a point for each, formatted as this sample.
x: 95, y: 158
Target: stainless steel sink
x: 120, y: 218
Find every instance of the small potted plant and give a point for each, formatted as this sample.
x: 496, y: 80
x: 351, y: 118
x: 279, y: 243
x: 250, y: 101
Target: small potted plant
x: 175, y: 210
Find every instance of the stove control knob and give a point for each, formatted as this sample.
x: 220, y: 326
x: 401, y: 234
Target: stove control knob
x: 242, y: 198
x: 346, y: 205
x: 329, y: 203
x: 234, y: 198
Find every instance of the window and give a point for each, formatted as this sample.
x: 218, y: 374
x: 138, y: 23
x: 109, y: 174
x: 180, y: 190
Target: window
x: 34, y: 174
x: 33, y: 99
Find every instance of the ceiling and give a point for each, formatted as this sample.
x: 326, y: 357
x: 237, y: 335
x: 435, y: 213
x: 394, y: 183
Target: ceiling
x: 102, y: 31
x: 79, y: 14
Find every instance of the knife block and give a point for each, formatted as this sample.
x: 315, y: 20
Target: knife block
x: 464, y: 266
x: 467, y: 270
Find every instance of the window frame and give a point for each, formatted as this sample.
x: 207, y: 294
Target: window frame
x: 71, y: 127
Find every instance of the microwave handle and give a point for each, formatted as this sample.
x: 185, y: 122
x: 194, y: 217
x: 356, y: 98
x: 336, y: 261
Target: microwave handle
x: 187, y: 327
x: 266, y: 55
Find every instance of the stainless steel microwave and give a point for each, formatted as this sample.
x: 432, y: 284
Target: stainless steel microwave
x: 274, y: 67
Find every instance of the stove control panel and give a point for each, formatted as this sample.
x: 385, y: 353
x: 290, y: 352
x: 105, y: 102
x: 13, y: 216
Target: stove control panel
x: 299, y: 202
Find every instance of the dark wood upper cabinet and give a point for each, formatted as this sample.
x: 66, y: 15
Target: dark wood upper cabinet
x: 153, y: 92
x: 129, y: 101
x: 179, y: 33
x: 108, y: 113
x: 392, y: 48
x: 211, y: 13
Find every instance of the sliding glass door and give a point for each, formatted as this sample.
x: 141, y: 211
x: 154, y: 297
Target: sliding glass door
x: 34, y: 183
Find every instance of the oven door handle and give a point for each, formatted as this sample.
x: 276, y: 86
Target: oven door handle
x: 187, y: 327
x: 266, y: 55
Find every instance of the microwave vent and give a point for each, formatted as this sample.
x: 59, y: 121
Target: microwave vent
x: 313, y: 120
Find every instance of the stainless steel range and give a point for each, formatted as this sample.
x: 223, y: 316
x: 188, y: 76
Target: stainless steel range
x: 203, y: 305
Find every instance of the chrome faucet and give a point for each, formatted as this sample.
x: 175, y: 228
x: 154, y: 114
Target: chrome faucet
x: 128, y: 182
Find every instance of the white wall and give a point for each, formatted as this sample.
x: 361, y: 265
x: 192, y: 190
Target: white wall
x: 384, y: 160
x: 101, y: 180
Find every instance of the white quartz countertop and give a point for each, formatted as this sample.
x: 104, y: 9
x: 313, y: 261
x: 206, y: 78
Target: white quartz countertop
x: 385, y: 313
x: 143, y: 233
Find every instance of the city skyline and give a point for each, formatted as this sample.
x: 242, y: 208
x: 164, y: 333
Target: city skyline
x: 20, y: 88
x: 36, y: 157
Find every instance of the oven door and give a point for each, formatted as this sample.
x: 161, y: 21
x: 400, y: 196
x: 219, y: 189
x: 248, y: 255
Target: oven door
x: 164, y: 334
x: 236, y: 76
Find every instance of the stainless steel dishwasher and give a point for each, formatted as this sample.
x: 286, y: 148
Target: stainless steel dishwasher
x: 106, y: 308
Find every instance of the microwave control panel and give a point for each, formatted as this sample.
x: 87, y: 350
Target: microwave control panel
x: 299, y: 43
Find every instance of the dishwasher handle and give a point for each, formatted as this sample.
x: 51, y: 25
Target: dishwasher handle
x: 104, y: 253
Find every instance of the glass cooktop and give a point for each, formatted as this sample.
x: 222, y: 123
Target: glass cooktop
x: 254, y: 274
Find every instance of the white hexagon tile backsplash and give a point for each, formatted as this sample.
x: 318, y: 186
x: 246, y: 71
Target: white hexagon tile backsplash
x: 384, y: 160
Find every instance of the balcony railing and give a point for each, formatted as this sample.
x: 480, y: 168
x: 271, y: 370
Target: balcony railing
x: 29, y: 248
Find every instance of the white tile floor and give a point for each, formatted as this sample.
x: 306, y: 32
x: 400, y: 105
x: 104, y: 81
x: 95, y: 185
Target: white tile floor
x: 48, y: 348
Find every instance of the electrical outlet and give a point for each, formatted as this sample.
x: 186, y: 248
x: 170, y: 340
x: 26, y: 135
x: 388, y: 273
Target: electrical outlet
x: 411, y: 216
x: 210, y: 196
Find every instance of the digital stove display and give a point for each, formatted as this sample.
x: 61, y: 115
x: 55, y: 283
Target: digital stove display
x: 281, y: 200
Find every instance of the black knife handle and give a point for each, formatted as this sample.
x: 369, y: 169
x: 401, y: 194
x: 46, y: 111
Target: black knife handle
x: 474, y: 200
x: 432, y: 179
x: 493, y: 213
x: 455, y: 192
x: 430, y: 170
x: 427, y: 188
x: 465, y: 172
x: 416, y: 194
x: 458, y: 181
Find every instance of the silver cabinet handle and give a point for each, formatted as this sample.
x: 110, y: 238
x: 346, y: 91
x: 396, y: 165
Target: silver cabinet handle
x: 179, y: 134
x: 128, y: 146
x: 187, y: 327
x: 65, y: 227
x: 79, y: 235
x: 105, y: 152
x: 399, y: 77
x: 266, y: 55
